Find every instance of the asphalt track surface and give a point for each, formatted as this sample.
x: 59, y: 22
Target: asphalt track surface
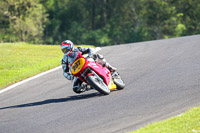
x: 162, y: 80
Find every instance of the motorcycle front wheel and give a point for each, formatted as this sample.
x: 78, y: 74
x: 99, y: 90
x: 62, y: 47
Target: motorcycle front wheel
x: 99, y: 85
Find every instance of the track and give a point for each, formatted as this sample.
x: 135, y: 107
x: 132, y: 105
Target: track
x: 162, y: 80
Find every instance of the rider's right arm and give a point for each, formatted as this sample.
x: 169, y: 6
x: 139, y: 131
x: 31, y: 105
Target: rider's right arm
x: 65, y: 64
x: 66, y: 69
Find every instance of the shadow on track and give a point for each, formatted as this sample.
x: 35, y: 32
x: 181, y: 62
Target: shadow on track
x: 59, y: 100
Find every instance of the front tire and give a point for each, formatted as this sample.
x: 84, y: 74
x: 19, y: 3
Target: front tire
x: 100, y: 86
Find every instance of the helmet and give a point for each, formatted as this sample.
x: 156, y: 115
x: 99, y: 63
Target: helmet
x: 67, y: 47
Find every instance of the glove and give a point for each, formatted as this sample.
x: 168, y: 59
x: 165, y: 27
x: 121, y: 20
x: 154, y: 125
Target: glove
x: 91, y: 53
x: 69, y: 76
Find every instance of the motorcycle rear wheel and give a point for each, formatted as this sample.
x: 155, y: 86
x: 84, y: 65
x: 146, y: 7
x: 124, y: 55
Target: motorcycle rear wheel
x: 119, y: 83
x: 100, y: 86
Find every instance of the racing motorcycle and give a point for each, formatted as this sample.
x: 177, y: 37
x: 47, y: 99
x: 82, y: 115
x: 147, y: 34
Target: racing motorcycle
x: 95, y: 75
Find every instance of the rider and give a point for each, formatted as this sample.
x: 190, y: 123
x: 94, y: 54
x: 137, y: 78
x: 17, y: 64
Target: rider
x: 70, y: 52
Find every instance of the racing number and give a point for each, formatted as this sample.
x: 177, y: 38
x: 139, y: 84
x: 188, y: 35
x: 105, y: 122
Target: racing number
x: 76, y: 65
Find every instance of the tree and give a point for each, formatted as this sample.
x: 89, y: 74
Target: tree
x: 26, y: 19
x: 99, y: 22
x: 188, y: 11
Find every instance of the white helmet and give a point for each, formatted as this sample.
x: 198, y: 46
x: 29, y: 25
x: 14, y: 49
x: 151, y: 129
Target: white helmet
x: 67, y: 47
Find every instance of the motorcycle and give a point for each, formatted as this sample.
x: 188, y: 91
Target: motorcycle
x: 95, y: 75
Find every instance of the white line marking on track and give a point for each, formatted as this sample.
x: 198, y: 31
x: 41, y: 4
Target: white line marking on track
x: 34, y: 77
x: 28, y: 79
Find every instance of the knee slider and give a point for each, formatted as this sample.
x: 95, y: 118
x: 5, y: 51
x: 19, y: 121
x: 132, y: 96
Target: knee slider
x: 100, y: 56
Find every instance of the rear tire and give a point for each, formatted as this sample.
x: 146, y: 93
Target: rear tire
x: 119, y: 83
x: 100, y: 86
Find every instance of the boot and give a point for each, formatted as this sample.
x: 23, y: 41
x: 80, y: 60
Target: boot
x: 84, y: 87
x: 111, y: 68
x: 80, y: 88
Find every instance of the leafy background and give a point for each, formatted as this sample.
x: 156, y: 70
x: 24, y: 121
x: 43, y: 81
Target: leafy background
x: 97, y: 22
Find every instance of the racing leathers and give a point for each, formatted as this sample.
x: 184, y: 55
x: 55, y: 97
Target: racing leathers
x: 79, y: 86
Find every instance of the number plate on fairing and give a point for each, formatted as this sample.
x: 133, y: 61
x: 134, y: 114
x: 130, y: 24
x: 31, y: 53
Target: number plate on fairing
x: 77, y: 65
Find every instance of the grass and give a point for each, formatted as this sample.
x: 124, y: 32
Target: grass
x: 21, y: 60
x: 188, y: 122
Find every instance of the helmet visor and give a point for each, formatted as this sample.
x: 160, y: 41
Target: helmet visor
x: 66, y: 50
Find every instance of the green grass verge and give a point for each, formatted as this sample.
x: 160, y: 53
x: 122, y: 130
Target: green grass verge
x: 188, y: 122
x: 21, y: 60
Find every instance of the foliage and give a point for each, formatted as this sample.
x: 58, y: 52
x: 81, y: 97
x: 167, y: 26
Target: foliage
x: 99, y: 22
x: 22, y: 20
